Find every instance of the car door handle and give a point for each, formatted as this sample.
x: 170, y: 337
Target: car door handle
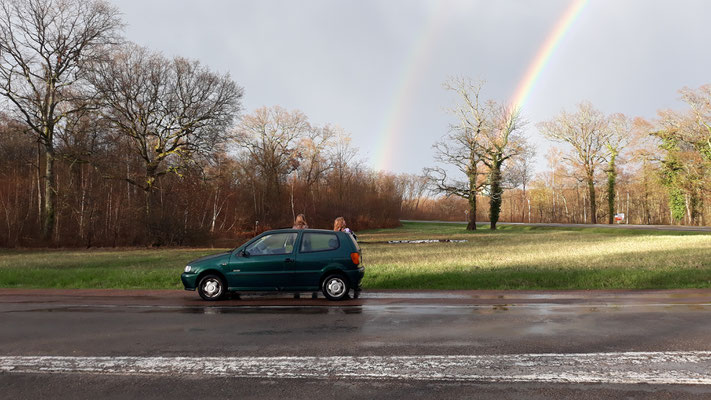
x: 289, y: 260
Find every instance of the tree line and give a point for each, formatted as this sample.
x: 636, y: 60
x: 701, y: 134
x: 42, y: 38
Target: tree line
x: 601, y: 166
x: 104, y: 142
x: 107, y: 143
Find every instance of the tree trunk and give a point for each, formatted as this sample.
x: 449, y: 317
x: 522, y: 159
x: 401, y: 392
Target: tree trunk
x: 148, y: 190
x: 147, y: 215
x: 40, y: 198
x: 495, y: 194
x: 647, y: 208
x: 214, y: 212
x: 529, y: 209
x: 471, y: 226
x: 593, y: 205
x: 611, y: 180
x: 50, y: 193
x: 567, y: 213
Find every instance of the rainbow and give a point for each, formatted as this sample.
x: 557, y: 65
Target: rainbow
x: 418, y: 61
x: 401, y: 102
x: 526, y: 84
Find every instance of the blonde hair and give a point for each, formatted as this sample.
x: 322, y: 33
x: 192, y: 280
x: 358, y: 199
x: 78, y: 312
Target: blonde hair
x: 300, y: 222
x: 339, y: 224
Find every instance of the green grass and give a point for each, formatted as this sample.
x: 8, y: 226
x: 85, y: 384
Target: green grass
x: 513, y: 257
x: 124, y: 269
x: 531, y: 257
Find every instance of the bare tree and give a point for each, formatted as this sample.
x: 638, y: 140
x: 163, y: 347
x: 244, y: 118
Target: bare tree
x: 460, y: 147
x: 344, y: 163
x: 485, y: 136
x: 700, y: 102
x: 413, y: 188
x: 586, y: 131
x: 503, y: 140
x: 172, y: 111
x: 43, y: 46
x: 270, y: 137
x: 312, y: 152
x: 519, y: 173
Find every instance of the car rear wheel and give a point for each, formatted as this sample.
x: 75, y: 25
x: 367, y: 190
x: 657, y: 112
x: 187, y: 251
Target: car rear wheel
x: 211, y: 288
x: 335, y: 287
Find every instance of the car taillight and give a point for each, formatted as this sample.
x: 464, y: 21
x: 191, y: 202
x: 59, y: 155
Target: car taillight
x: 355, y: 257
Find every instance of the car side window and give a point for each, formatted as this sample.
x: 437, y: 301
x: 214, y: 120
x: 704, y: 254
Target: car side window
x: 274, y: 244
x: 312, y: 242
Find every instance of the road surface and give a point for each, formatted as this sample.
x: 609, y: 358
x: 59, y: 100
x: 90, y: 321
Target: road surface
x: 389, y: 344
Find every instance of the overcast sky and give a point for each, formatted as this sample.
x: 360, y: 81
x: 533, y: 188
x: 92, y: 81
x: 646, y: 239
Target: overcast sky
x: 377, y: 67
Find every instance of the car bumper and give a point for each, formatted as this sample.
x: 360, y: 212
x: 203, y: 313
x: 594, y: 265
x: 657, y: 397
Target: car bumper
x: 189, y: 281
x: 355, y: 276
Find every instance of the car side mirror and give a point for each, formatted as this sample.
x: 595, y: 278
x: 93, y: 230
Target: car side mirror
x: 244, y: 253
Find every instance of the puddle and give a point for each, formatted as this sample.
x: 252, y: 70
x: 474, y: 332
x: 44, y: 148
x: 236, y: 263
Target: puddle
x: 209, y: 310
x: 541, y: 309
x: 427, y: 241
x: 418, y: 241
x: 419, y: 295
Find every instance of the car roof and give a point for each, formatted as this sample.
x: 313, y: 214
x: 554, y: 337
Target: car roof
x: 300, y: 230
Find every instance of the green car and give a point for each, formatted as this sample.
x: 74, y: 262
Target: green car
x: 292, y: 260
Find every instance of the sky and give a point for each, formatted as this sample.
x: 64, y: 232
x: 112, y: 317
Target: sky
x: 376, y: 68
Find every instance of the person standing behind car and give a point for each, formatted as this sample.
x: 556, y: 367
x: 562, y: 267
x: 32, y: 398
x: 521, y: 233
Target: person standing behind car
x: 300, y: 222
x: 340, y: 225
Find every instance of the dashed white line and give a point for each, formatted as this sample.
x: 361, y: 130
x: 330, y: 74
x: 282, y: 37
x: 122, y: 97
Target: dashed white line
x: 690, y: 367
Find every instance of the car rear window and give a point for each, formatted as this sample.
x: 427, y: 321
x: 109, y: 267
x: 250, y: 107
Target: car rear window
x: 355, y: 242
x: 312, y: 242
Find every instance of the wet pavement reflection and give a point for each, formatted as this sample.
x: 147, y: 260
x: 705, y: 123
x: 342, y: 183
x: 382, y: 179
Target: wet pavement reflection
x: 540, y: 310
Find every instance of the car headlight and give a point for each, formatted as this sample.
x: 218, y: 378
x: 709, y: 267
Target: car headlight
x: 188, y: 268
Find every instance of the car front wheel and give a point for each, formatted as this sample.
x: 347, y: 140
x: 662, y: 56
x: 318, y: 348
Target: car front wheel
x: 335, y: 287
x: 211, y: 288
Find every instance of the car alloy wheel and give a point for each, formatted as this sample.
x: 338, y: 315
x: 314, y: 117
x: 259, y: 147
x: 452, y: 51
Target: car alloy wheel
x: 335, y: 287
x: 211, y: 287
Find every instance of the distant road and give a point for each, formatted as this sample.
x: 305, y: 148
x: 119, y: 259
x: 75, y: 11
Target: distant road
x: 617, y: 226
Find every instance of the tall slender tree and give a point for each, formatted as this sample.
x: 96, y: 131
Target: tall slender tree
x: 618, y: 139
x: 503, y: 140
x: 460, y: 147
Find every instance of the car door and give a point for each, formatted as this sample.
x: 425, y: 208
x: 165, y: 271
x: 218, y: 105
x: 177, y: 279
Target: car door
x: 261, y: 265
x: 316, y: 251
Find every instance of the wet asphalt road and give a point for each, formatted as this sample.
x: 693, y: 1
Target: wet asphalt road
x: 383, y: 324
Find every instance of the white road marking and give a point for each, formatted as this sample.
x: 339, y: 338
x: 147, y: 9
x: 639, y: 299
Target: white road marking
x: 686, y: 367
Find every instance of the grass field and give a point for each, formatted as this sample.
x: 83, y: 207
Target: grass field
x: 525, y: 257
x: 513, y: 257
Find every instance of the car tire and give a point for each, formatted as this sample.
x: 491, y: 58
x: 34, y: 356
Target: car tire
x: 335, y: 287
x: 212, y: 287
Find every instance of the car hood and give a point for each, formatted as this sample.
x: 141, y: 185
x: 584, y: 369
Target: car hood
x: 211, y: 259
